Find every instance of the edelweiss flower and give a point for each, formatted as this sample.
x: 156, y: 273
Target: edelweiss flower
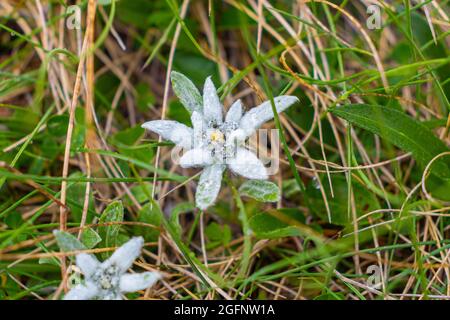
x: 216, y: 143
x: 108, y: 280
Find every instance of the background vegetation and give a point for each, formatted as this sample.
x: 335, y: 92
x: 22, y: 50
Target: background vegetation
x: 364, y: 158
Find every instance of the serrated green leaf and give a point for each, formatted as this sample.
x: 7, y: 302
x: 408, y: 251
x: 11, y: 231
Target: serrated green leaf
x: 401, y: 130
x: 68, y: 242
x: 187, y: 92
x: 90, y: 238
x: 261, y: 190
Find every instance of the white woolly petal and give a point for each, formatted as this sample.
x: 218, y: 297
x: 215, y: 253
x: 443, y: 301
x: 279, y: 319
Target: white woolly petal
x: 235, y: 138
x: 124, y: 256
x: 197, y: 121
x: 82, y: 292
x: 257, y: 116
x: 212, y: 108
x: 234, y: 114
x: 87, y: 263
x: 196, y: 158
x: 247, y: 164
x: 209, y: 186
x: 171, y: 130
x: 199, y: 128
x: 138, y: 281
x: 111, y: 296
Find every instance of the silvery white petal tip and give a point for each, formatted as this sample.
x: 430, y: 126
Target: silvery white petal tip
x: 199, y: 128
x: 125, y: 255
x: 196, y: 158
x: 284, y: 102
x: 289, y: 99
x: 171, y: 130
x: 237, y: 136
x: 87, y: 263
x: 138, y: 281
x: 148, y: 125
x: 196, y: 118
x: 234, y: 114
x: 257, y: 116
x: 209, y: 186
x: 212, y: 108
x: 247, y: 164
x: 82, y: 292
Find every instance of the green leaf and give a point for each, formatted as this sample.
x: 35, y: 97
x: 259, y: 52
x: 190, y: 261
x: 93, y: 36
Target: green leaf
x: 126, y: 142
x: 401, y: 130
x: 57, y: 125
x: 90, y: 238
x: 145, y: 98
x: 68, y: 242
x: 217, y: 235
x: 266, y: 225
x: 79, y: 131
x: 365, y: 201
x: 261, y: 190
x: 149, y: 214
x: 198, y: 67
x: 290, y: 188
x: 112, y: 213
x: 50, y: 148
x: 104, y: 2
x: 144, y: 14
x: 179, y: 113
x: 438, y: 187
x: 187, y: 92
x: 128, y: 137
x: 140, y: 192
x: 175, y: 215
x: 75, y: 198
x: 330, y: 296
x: 14, y: 220
x: 51, y: 261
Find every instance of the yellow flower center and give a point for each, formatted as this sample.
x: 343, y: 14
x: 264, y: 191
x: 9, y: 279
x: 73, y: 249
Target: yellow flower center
x: 217, y: 136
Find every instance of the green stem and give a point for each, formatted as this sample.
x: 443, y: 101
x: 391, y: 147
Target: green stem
x: 245, y: 262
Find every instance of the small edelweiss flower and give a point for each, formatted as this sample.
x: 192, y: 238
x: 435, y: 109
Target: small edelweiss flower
x: 108, y: 280
x: 216, y: 143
